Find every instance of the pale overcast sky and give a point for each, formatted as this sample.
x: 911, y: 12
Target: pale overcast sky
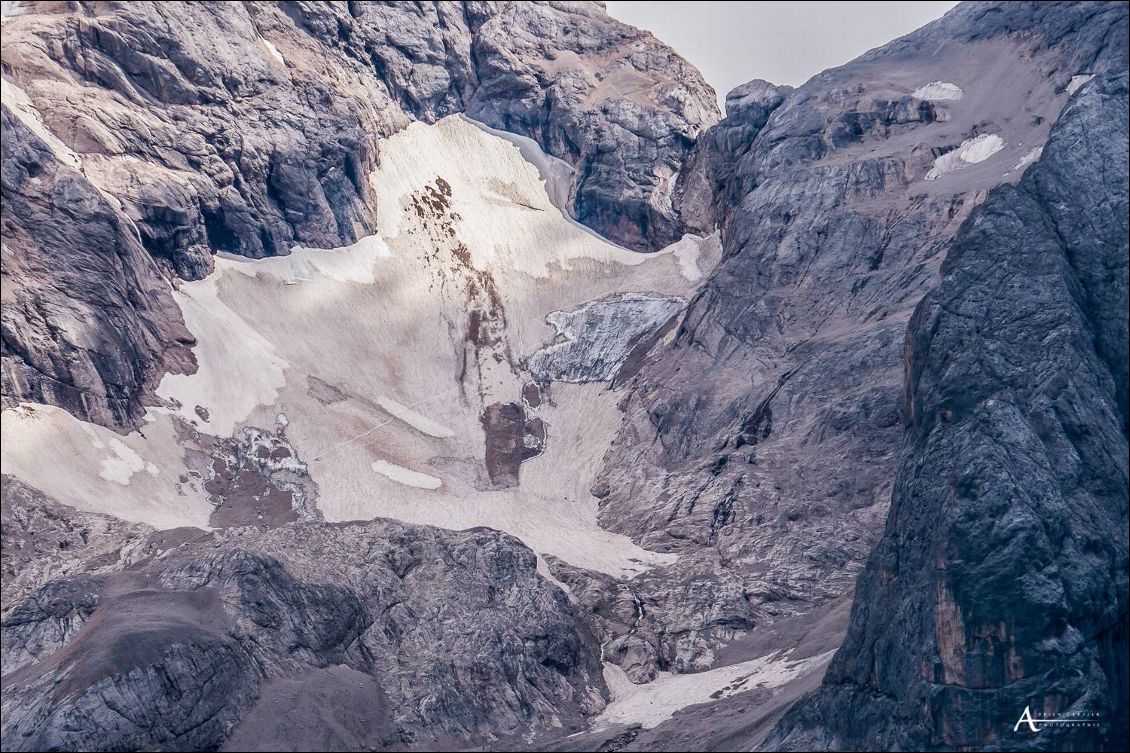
x: 782, y: 42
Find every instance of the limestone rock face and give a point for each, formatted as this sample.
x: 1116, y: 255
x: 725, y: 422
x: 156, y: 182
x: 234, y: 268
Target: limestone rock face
x: 761, y: 443
x: 1001, y: 580
x: 408, y: 635
x: 88, y: 320
x: 610, y: 100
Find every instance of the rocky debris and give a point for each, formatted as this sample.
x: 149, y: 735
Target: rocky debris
x: 596, y: 338
x: 761, y: 441
x: 1001, y: 580
x: 439, y: 635
x: 251, y: 128
x: 256, y: 478
x: 673, y: 623
x: 511, y: 436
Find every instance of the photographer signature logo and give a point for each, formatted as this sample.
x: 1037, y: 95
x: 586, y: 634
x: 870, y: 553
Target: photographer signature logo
x: 1073, y: 719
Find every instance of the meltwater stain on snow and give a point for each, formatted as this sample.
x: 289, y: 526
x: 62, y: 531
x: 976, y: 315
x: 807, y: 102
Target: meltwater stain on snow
x: 938, y: 91
x: 970, y: 152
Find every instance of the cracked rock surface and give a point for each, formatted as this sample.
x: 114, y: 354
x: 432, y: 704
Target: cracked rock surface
x: 762, y: 442
x: 1001, y: 579
x: 185, y: 638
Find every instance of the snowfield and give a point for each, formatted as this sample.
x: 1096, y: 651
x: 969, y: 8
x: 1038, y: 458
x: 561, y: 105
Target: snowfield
x: 384, y: 355
x: 971, y: 152
x: 938, y: 91
x: 658, y: 700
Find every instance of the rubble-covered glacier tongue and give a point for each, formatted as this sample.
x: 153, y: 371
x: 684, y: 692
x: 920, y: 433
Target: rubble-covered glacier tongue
x: 595, y: 339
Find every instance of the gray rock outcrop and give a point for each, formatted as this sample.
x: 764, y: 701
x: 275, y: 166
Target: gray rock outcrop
x: 762, y: 442
x: 421, y: 637
x: 1001, y: 580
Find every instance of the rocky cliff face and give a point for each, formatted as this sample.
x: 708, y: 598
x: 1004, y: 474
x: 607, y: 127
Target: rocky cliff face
x: 762, y: 442
x: 186, y: 639
x: 251, y: 128
x: 1001, y: 580
x: 88, y: 321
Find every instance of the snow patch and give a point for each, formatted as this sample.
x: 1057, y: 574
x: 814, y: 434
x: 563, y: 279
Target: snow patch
x: 493, y: 191
x: 92, y: 468
x: 1076, y: 83
x: 651, y: 704
x: 971, y: 152
x: 406, y: 476
x: 273, y: 51
x: 938, y: 91
x: 356, y: 263
x: 1031, y: 156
